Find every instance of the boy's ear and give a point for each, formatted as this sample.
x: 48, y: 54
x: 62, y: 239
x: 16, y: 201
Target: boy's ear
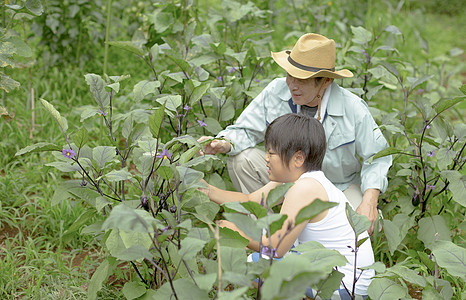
x: 298, y: 159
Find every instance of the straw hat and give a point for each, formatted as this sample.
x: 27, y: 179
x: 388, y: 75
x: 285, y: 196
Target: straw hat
x: 313, y: 55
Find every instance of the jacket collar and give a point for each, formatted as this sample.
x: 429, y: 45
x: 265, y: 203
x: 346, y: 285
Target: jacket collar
x: 336, y: 106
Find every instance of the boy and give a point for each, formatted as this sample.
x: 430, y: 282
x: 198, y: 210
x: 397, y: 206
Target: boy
x: 295, y: 147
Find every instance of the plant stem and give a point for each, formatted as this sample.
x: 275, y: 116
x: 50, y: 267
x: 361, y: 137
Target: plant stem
x: 107, y: 34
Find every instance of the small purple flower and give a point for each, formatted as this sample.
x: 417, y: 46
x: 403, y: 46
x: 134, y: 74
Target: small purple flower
x: 220, y: 78
x: 187, y: 108
x: 431, y: 187
x: 164, y: 155
x: 428, y: 127
x: 68, y: 153
x: 232, y: 70
x: 102, y: 113
x: 420, y: 91
x: 201, y: 123
x: 257, y: 80
x: 268, y: 251
x: 365, y: 53
x: 431, y: 154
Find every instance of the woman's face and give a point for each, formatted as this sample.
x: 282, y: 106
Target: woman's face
x: 304, y: 91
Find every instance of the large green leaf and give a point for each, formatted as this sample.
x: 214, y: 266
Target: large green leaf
x: 408, y: 275
x: 361, y: 35
x: 190, y: 247
x: 8, y: 84
x: 386, y: 289
x: 198, y: 92
x: 312, y: 210
x: 80, y: 137
x: 451, y: 257
x: 128, y: 46
x: 231, y: 238
x: 445, y: 104
x: 185, y: 289
x: 276, y: 195
x: 171, y: 102
x: 39, y: 147
x: 128, y: 219
x: 56, y: 115
x: 272, y: 222
x: 233, y: 259
x: 34, y: 6
x: 246, y: 224
x: 144, y: 88
x: 327, y: 286
x: 103, y: 154
x: 133, y: 290
x: 255, y: 208
x: 358, y: 222
x: 285, y: 271
x: 118, y: 175
x: 457, y: 185
x: 155, y: 121
x: 392, y: 233
x: 99, y: 277
x: 97, y: 87
x: 432, y: 229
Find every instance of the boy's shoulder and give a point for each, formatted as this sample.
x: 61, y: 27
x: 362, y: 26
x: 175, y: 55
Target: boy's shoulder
x: 308, y: 188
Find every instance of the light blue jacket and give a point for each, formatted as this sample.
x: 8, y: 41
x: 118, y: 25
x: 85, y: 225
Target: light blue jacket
x: 351, y: 132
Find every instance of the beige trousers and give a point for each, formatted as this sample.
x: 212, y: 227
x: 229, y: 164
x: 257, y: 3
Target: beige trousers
x: 248, y: 172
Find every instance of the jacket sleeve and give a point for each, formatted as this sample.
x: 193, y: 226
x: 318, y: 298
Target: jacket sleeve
x: 369, y: 141
x: 249, y: 128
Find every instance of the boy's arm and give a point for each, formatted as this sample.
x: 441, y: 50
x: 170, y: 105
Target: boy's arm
x: 220, y: 196
x: 300, y: 195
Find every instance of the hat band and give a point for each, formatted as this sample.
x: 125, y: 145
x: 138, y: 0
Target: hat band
x: 307, y: 68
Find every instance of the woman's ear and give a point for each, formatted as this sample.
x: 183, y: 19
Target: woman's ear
x: 298, y: 159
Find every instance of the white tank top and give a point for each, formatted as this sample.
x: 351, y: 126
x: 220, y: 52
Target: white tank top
x: 334, y: 232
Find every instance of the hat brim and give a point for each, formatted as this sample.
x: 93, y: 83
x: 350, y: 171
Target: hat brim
x: 281, y: 58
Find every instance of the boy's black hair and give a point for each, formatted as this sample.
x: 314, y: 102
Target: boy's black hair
x: 291, y: 133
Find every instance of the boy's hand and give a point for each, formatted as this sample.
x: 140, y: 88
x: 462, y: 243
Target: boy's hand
x: 215, y: 146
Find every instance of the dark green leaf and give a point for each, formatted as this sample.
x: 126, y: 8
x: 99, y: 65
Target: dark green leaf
x: 358, y: 222
x: 245, y: 224
x: 128, y: 46
x: 80, y: 138
x: 155, y: 121
x: 231, y: 238
x: 255, y: 208
x: 445, y: 104
x: 276, y: 195
x: 328, y: 285
x: 310, y: 211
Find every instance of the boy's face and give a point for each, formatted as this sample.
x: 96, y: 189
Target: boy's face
x: 277, y: 169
